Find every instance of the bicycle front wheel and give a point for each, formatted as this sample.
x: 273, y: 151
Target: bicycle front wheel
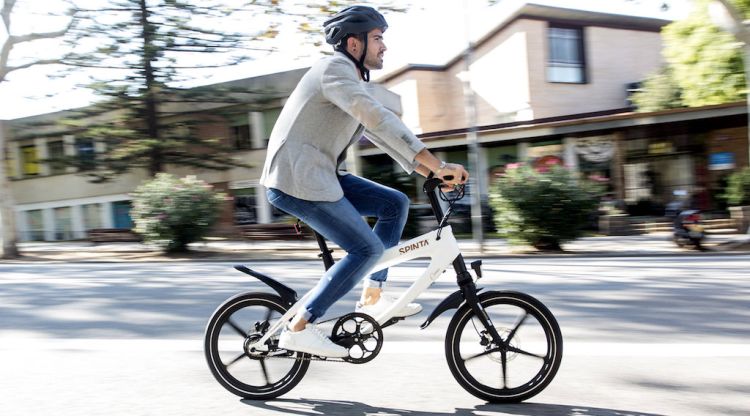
x: 525, y: 362
x: 259, y: 374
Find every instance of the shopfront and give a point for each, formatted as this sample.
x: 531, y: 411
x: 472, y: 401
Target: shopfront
x: 646, y: 160
x: 663, y: 169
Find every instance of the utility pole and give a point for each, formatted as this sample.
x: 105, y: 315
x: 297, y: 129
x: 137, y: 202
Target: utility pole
x: 475, y: 165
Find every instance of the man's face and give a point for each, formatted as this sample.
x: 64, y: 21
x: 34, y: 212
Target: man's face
x: 375, y: 50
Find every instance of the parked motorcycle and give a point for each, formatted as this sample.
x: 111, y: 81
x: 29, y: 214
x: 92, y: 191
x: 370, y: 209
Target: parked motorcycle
x: 688, y: 230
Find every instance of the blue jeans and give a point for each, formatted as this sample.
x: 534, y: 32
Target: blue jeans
x: 341, y: 222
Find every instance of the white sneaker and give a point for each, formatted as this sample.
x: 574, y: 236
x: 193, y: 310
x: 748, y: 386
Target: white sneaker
x: 384, y: 303
x: 312, y: 341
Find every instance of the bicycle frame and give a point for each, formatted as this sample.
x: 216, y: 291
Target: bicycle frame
x: 441, y: 250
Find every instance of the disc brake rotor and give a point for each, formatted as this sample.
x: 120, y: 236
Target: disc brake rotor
x: 486, y: 342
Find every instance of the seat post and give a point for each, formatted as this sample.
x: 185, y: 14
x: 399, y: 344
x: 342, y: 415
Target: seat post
x: 325, y: 252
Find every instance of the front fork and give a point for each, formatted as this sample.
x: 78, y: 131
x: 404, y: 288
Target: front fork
x: 469, y: 291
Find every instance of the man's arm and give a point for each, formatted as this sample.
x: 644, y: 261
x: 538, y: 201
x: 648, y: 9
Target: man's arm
x: 422, y: 170
x: 340, y: 86
x: 429, y: 163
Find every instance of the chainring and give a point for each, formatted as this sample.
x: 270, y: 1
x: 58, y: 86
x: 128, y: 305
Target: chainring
x: 360, y: 334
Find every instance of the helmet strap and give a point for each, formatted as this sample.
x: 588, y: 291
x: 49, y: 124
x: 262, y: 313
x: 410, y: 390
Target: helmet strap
x: 360, y: 63
x: 362, y: 69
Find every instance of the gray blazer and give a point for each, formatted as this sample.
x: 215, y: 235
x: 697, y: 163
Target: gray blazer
x: 321, y: 118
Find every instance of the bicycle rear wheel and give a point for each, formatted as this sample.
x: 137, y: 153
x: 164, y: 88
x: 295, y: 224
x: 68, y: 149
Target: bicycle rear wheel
x: 515, y: 371
x: 261, y: 374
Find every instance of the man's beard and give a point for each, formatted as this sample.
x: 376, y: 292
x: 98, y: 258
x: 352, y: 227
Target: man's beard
x: 374, y: 63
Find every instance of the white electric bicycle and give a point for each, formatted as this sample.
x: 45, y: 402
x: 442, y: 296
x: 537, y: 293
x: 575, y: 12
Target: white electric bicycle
x: 501, y: 346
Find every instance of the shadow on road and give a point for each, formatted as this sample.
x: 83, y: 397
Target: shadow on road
x: 308, y: 407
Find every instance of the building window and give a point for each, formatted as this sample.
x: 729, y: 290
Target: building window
x: 241, y: 137
x: 30, y: 160
x: 121, y: 214
x: 63, y: 224
x: 56, y: 152
x: 245, y: 209
x: 92, y: 216
x: 35, y: 222
x: 10, y: 165
x: 566, y: 56
x: 85, y: 153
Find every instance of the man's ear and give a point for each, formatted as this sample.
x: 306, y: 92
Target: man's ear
x: 352, y: 43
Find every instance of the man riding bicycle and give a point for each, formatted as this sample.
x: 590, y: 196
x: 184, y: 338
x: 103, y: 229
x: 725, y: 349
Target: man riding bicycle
x: 326, y: 113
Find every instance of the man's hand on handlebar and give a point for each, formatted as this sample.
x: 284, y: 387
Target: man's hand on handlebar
x: 452, y: 174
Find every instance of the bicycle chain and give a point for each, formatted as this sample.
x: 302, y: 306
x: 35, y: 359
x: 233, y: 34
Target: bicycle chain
x: 305, y: 357
x: 309, y: 357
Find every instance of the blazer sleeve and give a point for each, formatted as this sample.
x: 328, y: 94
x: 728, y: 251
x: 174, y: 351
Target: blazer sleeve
x: 340, y: 85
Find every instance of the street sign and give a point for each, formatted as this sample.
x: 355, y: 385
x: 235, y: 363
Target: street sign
x: 721, y: 161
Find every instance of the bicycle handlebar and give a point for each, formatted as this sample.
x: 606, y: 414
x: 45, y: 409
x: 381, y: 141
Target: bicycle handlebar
x: 431, y: 184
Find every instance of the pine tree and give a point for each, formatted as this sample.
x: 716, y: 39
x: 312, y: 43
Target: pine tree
x: 143, y: 120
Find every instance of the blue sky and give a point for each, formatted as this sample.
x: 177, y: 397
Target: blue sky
x: 432, y: 32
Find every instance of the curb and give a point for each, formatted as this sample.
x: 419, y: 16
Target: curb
x: 274, y: 256
x: 655, y: 245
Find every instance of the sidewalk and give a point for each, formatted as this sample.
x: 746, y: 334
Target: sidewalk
x: 657, y: 244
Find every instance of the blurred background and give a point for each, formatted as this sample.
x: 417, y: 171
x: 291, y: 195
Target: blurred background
x: 647, y: 99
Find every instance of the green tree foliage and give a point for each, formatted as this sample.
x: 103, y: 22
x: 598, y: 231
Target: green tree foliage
x: 706, y: 61
x: 659, y: 92
x: 742, y: 6
x: 543, y: 208
x: 738, y: 188
x: 704, y: 64
x: 174, y: 212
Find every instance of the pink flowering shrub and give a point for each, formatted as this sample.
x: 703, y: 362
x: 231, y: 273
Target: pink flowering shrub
x: 174, y: 212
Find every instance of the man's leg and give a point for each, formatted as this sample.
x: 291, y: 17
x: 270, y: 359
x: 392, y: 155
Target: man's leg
x: 341, y: 223
x: 391, y: 208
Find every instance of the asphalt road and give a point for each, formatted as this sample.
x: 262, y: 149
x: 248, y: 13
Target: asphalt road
x: 643, y: 336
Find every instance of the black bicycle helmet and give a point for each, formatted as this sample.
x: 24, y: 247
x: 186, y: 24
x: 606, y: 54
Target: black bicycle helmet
x: 354, y: 20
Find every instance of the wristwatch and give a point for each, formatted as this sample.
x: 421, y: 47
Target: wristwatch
x: 441, y: 167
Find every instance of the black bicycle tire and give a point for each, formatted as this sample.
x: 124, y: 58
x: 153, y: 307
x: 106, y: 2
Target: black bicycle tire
x: 469, y: 383
x: 226, y: 380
